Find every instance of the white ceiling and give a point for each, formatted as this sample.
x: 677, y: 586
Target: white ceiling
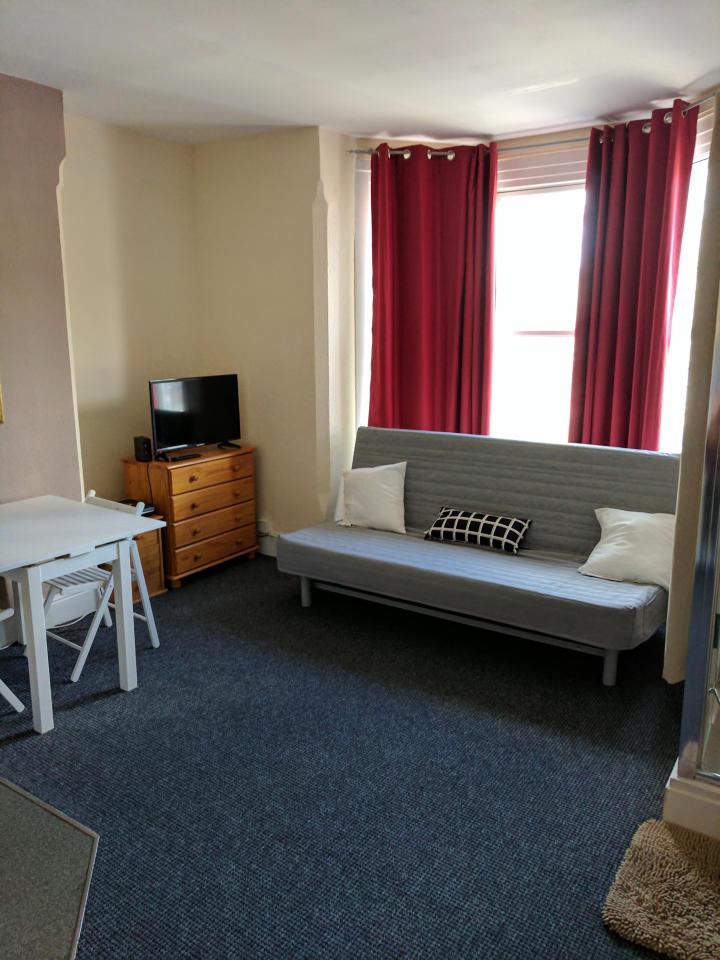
x: 194, y: 70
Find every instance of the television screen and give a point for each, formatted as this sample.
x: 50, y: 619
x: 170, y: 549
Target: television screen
x: 193, y: 411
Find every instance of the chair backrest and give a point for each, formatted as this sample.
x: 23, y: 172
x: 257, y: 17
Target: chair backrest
x: 557, y: 486
x: 96, y: 501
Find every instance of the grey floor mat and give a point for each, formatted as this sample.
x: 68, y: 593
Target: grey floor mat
x: 46, y: 861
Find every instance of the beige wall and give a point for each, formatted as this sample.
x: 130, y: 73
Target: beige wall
x: 128, y: 227
x: 335, y: 342
x: 233, y: 256
x: 255, y: 241
x: 38, y: 441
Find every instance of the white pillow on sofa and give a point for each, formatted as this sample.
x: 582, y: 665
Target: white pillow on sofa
x: 373, y: 497
x: 636, y: 547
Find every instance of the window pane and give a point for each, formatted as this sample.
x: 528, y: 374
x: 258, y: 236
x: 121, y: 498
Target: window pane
x: 678, y: 358
x: 531, y: 387
x: 537, y: 254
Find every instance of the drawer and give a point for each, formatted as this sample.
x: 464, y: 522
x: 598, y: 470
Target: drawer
x: 208, y: 551
x: 211, y: 498
x: 211, y: 524
x: 154, y: 580
x: 209, y: 472
x: 150, y: 549
x: 151, y: 559
x: 148, y: 543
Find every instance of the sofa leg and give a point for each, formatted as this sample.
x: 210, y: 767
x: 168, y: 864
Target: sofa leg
x: 305, y: 591
x: 610, y: 662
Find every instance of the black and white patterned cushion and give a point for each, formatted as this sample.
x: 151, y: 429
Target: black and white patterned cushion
x: 478, y: 529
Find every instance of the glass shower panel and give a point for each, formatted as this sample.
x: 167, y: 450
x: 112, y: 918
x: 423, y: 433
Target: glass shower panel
x: 700, y: 732
x: 710, y: 736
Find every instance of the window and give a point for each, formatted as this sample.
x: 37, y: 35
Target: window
x: 538, y: 237
x: 676, y: 367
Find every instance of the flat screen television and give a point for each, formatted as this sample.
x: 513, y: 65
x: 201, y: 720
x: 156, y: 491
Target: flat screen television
x: 193, y: 411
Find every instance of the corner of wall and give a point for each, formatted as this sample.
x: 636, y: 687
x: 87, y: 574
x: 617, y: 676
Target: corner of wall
x: 335, y: 344
x: 267, y: 223
x: 73, y: 380
x: 38, y: 441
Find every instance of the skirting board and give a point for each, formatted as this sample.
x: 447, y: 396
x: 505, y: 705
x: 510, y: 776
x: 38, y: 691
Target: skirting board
x: 267, y: 545
x: 693, y: 804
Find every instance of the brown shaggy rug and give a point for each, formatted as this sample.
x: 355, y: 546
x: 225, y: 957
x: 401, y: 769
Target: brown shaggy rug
x: 666, y: 894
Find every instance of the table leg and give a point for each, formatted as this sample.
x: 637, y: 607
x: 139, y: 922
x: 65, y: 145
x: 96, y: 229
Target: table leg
x: 124, y: 621
x: 18, y: 620
x: 33, y: 621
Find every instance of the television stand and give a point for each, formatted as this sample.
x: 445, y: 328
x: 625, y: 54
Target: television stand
x: 229, y: 445
x: 208, y: 504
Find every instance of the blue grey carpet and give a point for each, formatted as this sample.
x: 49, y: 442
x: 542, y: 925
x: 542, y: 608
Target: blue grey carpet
x: 347, y: 782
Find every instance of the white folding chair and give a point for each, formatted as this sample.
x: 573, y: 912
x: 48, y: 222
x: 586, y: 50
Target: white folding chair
x: 101, y: 582
x: 5, y: 691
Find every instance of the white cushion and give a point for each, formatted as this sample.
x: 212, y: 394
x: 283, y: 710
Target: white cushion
x: 636, y: 547
x: 373, y: 497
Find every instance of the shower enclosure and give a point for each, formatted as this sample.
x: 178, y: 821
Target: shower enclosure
x: 693, y: 794
x: 700, y: 734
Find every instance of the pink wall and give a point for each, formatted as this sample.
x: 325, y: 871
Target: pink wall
x: 38, y: 443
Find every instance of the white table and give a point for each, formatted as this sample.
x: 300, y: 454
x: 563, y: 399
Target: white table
x: 50, y: 536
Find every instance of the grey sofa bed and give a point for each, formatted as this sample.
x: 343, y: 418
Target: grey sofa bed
x: 537, y: 593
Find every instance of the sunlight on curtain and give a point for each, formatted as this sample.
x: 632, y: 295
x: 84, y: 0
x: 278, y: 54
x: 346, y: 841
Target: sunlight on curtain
x: 363, y: 289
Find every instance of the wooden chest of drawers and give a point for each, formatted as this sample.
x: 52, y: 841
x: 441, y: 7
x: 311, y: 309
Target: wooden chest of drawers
x: 151, y: 557
x: 208, y: 503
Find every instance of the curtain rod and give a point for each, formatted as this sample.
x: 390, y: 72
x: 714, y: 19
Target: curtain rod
x: 405, y: 151
x: 450, y: 154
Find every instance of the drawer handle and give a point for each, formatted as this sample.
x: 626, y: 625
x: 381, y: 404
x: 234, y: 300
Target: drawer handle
x: 236, y: 468
x: 194, y: 506
x: 193, y: 478
x: 195, y: 533
x: 197, y: 557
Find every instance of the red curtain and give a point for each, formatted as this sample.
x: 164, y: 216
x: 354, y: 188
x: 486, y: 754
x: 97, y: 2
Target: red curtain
x: 432, y: 246
x: 636, y: 187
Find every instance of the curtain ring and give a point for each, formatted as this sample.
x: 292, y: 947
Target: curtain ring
x: 646, y: 127
x: 668, y: 117
x: 451, y: 155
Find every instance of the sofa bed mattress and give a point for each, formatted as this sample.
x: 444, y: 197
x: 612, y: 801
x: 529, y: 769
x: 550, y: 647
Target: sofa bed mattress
x: 529, y: 591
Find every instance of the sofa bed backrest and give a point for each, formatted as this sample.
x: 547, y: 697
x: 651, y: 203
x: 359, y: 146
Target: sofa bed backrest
x: 557, y: 486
